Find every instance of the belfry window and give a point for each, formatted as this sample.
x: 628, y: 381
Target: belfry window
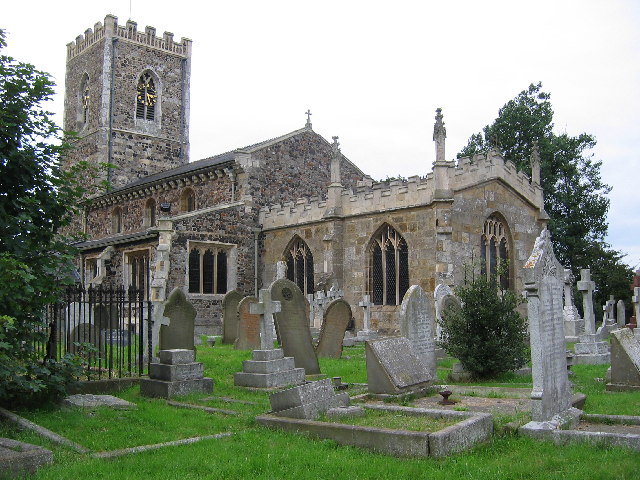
x: 187, y: 200
x: 494, y: 251
x: 146, y: 97
x: 208, y: 269
x: 388, y: 267
x: 300, y: 265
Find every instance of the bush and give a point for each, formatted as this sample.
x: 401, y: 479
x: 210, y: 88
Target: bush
x: 487, y: 334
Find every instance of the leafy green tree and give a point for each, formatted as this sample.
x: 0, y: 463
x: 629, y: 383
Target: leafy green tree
x: 487, y: 334
x: 37, y: 201
x: 574, y: 193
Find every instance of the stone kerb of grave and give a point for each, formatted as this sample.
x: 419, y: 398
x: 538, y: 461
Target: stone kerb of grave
x: 393, y: 367
x: 417, y: 325
x: 248, y: 326
x: 19, y: 458
x: 625, y: 361
x: 551, y: 395
x: 334, y: 325
x: 293, y: 326
x: 179, y: 333
x: 230, y: 316
x: 176, y: 374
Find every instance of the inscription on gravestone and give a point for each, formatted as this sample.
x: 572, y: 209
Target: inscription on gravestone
x: 334, y: 326
x: 179, y: 333
x: 417, y: 325
x: 248, y: 326
x: 293, y: 326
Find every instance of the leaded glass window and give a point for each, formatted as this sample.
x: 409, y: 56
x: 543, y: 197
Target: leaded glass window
x: 300, y: 266
x: 388, y: 267
x: 494, y: 251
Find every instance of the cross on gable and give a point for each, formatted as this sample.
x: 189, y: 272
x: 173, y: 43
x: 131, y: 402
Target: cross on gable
x: 308, y: 114
x: 265, y: 307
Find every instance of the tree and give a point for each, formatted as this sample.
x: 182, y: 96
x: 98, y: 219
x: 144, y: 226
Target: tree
x: 574, y: 193
x: 37, y: 201
x: 487, y: 334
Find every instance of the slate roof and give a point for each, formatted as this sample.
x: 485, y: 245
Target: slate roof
x: 116, y: 240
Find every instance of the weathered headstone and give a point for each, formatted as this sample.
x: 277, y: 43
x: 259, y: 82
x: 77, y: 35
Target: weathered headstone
x: 609, y: 317
x: 417, y: 325
x: 621, y: 314
x: 334, y: 326
x: 248, y: 326
x: 366, y: 333
x: 590, y: 349
x: 307, y: 401
x: 281, y: 270
x: 180, y: 331
x: 266, y: 308
x: 176, y: 374
x: 625, y: 361
x: 393, y: 368
x: 230, y: 316
x: 293, y: 327
x: 573, y: 324
x: 551, y: 395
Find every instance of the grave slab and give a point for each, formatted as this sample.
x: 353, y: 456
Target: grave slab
x: 93, y: 401
x: 19, y: 458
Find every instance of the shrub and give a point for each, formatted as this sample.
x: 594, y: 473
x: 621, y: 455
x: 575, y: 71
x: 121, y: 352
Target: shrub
x: 487, y: 334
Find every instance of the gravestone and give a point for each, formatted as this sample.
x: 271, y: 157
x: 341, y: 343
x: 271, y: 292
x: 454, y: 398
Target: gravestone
x: 179, y: 333
x: 176, y: 374
x: 281, y: 270
x: 105, y: 317
x: 573, y: 324
x: 85, y: 333
x: 334, y: 326
x: 295, y: 337
x: 268, y: 367
x: 636, y: 306
x: 625, y: 361
x: 621, y: 314
x: 590, y: 349
x: 609, y: 316
x: 319, y: 303
x: 248, y: 326
x: 551, y: 395
x: 366, y: 333
x: 393, y: 368
x: 444, y: 299
x: 417, y: 325
x: 307, y: 401
x: 230, y: 316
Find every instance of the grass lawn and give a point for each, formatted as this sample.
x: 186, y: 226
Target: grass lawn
x: 257, y: 453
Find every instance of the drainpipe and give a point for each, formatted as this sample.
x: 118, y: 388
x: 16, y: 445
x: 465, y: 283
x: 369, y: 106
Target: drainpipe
x: 111, y: 100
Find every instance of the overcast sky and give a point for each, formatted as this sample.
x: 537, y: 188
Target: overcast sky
x: 374, y: 72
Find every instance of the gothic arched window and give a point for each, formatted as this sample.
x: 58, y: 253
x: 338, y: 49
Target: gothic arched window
x: 146, y: 97
x: 300, y: 265
x: 150, y: 213
x: 208, y: 269
x: 116, y: 220
x: 388, y: 267
x: 495, y: 251
x: 187, y: 200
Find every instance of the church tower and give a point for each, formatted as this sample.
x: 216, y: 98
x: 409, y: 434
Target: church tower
x: 127, y: 98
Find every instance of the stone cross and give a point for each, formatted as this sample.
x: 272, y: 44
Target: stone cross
x: 366, y: 305
x: 266, y: 308
x: 281, y: 270
x: 636, y: 302
x: 586, y: 286
x: 608, y: 309
x: 620, y: 313
x: 308, y: 114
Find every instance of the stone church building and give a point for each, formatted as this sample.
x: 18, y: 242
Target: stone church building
x: 222, y: 222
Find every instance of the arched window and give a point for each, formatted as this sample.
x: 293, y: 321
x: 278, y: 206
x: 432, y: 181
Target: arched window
x: 187, y: 200
x: 494, y: 251
x: 388, y: 267
x: 146, y: 97
x: 208, y: 269
x: 116, y: 220
x: 83, y: 107
x: 150, y: 213
x: 300, y: 265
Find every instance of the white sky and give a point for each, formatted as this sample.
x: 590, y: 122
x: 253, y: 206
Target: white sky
x: 374, y: 72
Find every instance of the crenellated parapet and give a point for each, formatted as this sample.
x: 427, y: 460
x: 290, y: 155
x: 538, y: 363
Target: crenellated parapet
x: 130, y: 33
x: 374, y: 197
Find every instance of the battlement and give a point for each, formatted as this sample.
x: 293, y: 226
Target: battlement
x: 374, y: 197
x: 130, y: 32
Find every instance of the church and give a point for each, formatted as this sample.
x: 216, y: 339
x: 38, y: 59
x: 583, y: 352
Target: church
x: 222, y: 223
